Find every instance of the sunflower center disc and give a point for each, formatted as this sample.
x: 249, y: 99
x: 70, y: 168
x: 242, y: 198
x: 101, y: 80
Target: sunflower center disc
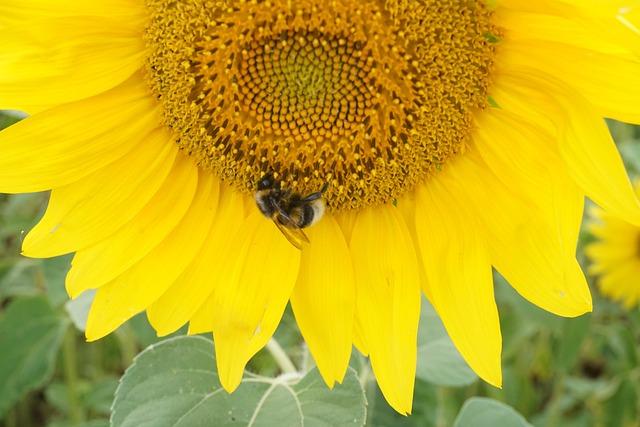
x: 369, y: 96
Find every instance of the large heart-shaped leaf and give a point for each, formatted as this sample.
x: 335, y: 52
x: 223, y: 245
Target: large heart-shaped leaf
x: 483, y: 412
x: 175, y: 383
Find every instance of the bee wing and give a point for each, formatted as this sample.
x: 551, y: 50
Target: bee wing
x: 293, y: 233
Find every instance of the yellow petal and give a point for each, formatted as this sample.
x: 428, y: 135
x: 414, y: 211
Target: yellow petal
x: 202, y: 320
x: 260, y: 270
x: 608, y: 257
x: 58, y: 147
x: 160, y: 228
x: 135, y: 289
x: 346, y: 220
x: 12, y: 11
x: 456, y: 259
x: 611, y: 228
x: 621, y: 282
x: 323, y: 300
x: 575, y: 276
x: 407, y: 206
x: 387, y: 299
x: 531, y: 247
x: 58, y: 60
x: 584, y: 143
x: 87, y: 211
x: 359, y: 340
x: 608, y: 81
x: 520, y: 25
x: 227, y: 222
x: 617, y: 21
x: 182, y: 300
x: 525, y: 157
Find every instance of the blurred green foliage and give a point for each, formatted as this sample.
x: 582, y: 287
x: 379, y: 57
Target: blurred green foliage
x: 581, y: 372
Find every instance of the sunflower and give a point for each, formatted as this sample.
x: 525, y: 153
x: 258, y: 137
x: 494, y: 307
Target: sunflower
x: 454, y: 135
x: 615, y: 255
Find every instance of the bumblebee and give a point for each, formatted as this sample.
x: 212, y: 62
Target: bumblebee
x: 289, y: 211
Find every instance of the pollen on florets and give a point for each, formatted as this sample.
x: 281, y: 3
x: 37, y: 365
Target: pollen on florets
x: 369, y: 96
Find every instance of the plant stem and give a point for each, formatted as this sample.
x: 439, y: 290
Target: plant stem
x: 364, y: 375
x: 554, y: 404
x: 71, y: 376
x: 11, y: 418
x: 280, y: 356
x: 442, y: 397
x: 97, y: 362
x: 25, y: 413
x: 128, y: 346
x: 308, y: 363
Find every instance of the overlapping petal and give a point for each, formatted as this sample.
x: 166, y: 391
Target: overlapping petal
x: 84, y: 57
x: 584, y: 142
x: 259, y: 272
x: 57, y: 147
x: 76, y: 218
x: 12, y: 11
x: 323, y: 299
x: 607, y: 80
x: 540, y: 268
x: 520, y: 25
x: 456, y: 256
x: 387, y: 299
x: 617, y: 21
x: 536, y: 208
x: 182, y: 300
x: 346, y: 220
x: 154, y: 231
x: 138, y: 287
x: 514, y: 147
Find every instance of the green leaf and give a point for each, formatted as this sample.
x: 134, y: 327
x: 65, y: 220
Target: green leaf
x: 95, y: 423
x: 95, y: 396
x: 78, y: 308
x: 57, y: 395
x: 92, y: 423
x: 483, y: 412
x: 19, y: 277
x: 424, y: 413
x: 572, y: 334
x: 18, y: 214
x: 175, y: 383
x: 9, y: 117
x: 439, y: 362
x: 630, y: 153
x: 54, y: 271
x: 621, y: 409
x: 145, y: 333
x: 30, y: 337
x: 99, y: 398
x: 525, y: 310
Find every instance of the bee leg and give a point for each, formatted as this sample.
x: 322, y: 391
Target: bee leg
x: 317, y: 195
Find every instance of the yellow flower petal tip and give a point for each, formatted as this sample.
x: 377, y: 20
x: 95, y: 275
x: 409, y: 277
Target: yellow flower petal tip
x: 230, y: 381
x: 403, y: 156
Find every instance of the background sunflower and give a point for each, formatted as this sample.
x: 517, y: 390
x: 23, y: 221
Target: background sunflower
x: 615, y: 252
